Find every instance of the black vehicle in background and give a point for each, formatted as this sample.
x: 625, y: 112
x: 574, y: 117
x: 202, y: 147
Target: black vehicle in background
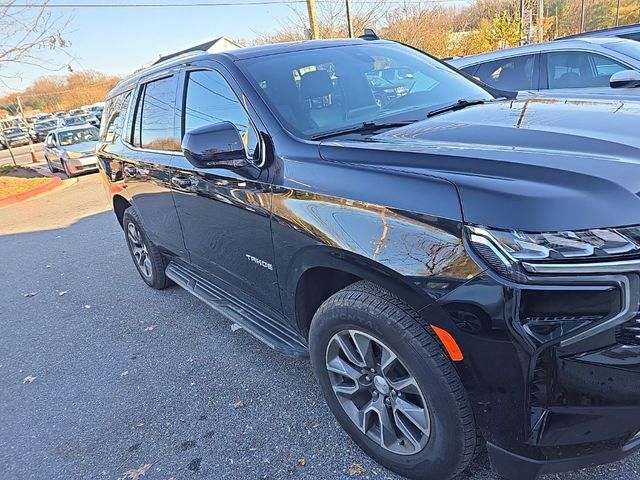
x: 459, y: 267
x: 632, y: 32
x: 40, y: 129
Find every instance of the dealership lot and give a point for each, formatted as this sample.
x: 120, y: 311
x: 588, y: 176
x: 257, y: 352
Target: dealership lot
x: 126, y: 376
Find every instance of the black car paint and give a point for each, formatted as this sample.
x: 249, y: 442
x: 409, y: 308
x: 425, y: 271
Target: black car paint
x: 391, y: 208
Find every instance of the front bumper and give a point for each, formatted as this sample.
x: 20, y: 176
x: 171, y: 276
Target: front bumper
x: 83, y: 165
x: 549, y: 401
x: 18, y: 142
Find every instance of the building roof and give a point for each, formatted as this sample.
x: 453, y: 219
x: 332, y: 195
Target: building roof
x: 212, y: 46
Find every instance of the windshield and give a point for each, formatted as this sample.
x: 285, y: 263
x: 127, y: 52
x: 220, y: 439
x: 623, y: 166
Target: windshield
x: 71, y: 137
x: 625, y: 47
x: 318, y: 91
x: 45, y: 125
x: 12, y: 131
x: 74, y: 120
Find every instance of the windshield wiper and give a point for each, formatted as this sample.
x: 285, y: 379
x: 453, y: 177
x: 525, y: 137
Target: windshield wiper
x: 365, y: 127
x: 459, y: 105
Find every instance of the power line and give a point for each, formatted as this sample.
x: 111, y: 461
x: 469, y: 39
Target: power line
x: 243, y: 3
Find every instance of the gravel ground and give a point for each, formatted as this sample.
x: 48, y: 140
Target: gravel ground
x: 111, y: 375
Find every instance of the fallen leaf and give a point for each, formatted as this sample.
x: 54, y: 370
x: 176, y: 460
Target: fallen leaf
x: 136, y: 473
x: 235, y: 327
x: 149, y: 328
x: 29, y: 295
x: 87, y: 306
x: 29, y: 380
x: 125, y: 373
x: 356, y: 470
x: 48, y: 266
x: 302, y: 462
x: 63, y: 292
x: 238, y: 404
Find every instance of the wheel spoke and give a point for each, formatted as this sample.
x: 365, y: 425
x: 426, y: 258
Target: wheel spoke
x: 364, y: 347
x: 339, y: 366
x: 349, y: 351
x: 406, y: 385
x: 415, y: 414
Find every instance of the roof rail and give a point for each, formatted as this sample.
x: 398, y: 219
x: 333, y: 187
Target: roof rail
x: 369, y: 34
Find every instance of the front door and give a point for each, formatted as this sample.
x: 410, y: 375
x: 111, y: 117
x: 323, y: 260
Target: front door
x: 225, y: 215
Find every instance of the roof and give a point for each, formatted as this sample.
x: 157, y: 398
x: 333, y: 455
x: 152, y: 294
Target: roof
x: 73, y: 127
x: 216, y: 45
x: 238, y: 54
x: 577, y: 43
x: 606, y: 32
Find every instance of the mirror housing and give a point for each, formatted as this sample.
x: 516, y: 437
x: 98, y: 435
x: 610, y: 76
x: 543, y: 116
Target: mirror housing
x: 215, y: 146
x: 625, y: 79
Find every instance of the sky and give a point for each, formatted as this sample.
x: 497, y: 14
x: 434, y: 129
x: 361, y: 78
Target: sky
x: 120, y: 40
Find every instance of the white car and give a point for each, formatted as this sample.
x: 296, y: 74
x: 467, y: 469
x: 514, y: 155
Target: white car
x: 72, y: 150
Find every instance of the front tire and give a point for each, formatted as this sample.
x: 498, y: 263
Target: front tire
x: 146, y: 256
x: 390, y: 384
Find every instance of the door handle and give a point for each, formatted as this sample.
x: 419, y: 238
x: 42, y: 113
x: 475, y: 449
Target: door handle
x: 181, y: 182
x: 130, y: 171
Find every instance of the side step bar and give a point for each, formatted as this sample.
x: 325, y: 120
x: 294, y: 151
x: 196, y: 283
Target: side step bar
x: 268, y: 327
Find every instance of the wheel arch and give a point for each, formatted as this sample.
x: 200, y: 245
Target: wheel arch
x: 120, y: 204
x: 320, y: 272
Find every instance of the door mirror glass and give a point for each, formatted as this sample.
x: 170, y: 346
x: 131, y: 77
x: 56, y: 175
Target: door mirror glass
x: 625, y: 79
x: 217, y: 145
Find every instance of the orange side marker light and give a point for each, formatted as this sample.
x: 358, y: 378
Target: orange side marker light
x: 450, y: 345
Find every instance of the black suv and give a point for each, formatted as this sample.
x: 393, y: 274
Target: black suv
x: 459, y: 267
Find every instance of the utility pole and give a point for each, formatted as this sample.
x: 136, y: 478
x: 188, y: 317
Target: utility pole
x: 24, y: 120
x: 313, y: 20
x: 540, y: 21
x: 349, y: 25
x: 522, y: 26
x: 581, y: 16
x: 618, y: 14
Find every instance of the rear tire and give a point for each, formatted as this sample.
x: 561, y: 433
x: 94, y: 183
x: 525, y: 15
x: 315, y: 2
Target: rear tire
x: 434, y: 435
x: 146, y: 256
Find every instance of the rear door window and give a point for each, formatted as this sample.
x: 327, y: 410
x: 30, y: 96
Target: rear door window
x: 513, y: 73
x: 116, y: 110
x: 154, y: 125
x: 577, y: 69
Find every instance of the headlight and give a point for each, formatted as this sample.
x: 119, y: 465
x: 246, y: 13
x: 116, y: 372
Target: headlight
x: 71, y: 154
x: 504, y: 250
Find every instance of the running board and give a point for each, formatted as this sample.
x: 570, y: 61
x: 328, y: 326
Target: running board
x: 268, y: 327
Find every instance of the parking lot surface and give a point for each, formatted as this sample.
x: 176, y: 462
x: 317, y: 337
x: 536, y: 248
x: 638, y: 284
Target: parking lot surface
x: 101, y: 375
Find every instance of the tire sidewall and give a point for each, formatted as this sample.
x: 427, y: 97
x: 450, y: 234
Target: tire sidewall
x: 440, y: 457
x: 131, y: 217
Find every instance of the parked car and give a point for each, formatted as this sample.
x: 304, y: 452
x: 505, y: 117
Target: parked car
x: 558, y: 65
x: 71, y: 150
x: 75, y: 112
x: 90, y: 119
x: 75, y: 120
x: 14, y: 137
x: 632, y: 32
x: 39, y: 130
x: 95, y: 111
x: 457, y: 266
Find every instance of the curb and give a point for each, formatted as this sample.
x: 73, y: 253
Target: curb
x: 20, y: 197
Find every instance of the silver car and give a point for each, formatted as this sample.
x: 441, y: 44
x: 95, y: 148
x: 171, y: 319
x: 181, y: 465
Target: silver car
x: 72, y: 150
x: 560, y: 67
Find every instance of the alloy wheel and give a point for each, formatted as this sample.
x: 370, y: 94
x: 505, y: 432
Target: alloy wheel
x: 139, y: 250
x: 377, y: 392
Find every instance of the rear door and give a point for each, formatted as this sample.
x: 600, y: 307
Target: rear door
x: 141, y: 155
x: 225, y: 214
x: 512, y: 73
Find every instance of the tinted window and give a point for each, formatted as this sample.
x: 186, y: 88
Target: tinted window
x: 630, y: 49
x: 509, y: 73
x: 314, y: 92
x: 81, y: 135
x: 155, y: 116
x: 632, y: 36
x: 580, y: 69
x: 211, y: 100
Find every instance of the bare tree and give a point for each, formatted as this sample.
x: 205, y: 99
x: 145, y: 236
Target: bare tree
x: 27, y: 29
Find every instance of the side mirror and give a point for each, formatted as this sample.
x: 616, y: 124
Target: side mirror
x: 625, y: 79
x: 217, y: 145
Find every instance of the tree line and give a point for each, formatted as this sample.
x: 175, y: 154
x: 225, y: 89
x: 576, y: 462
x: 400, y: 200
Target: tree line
x: 450, y: 29
x: 56, y: 93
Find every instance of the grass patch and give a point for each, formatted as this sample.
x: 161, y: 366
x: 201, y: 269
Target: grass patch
x: 15, y: 180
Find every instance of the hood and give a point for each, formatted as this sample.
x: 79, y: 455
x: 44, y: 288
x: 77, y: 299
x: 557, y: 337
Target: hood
x: 535, y: 165
x: 83, y: 148
x: 15, y: 135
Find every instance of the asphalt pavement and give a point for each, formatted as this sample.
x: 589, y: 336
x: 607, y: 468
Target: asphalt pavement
x: 103, y: 377
x: 22, y: 155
